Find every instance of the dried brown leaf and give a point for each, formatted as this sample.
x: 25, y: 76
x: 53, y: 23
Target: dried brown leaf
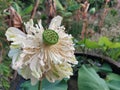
x: 50, y: 9
x: 13, y: 19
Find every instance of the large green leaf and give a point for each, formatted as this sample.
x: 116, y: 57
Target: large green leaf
x: 58, y: 85
x: 114, y: 85
x: 113, y: 81
x: 89, y: 80
x: 105, y: 68
x: 27, y: 86
x: 46, y: 85
x: 113, y: 76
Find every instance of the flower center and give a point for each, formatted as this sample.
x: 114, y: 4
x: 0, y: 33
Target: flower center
x: 50, y: 37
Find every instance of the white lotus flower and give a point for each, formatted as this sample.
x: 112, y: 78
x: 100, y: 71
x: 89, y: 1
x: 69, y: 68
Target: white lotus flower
x: 37, y: 53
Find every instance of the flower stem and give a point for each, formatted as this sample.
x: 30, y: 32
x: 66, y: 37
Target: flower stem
x: 39, y: 85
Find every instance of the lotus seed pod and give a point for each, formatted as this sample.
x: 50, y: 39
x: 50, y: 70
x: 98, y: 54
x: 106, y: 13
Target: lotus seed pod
x: 50, y: 37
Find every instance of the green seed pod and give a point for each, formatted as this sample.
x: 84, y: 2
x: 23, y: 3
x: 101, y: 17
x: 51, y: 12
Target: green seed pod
x: 92, y: 10
x: 50, y: 37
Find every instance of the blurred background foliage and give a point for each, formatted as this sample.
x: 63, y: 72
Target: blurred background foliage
x: 92, y: 18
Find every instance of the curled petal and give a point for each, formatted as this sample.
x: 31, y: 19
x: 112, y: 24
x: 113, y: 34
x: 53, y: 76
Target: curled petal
x: 55, y: 23
x: 40, y: 25
x: 14, y: 34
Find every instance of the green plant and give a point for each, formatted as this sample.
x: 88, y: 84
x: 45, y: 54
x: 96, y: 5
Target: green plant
x: 106, y: 46
x: 4, y: 74
x: 100, y: 4
x: 89, y: 78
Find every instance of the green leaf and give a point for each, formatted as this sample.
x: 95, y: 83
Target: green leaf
x: 88, y: 79
x: 113, y: 12
x: 114, y: 85
x: 91, y: 44
x: 104, y: 41
x: 59, y: 5
x: 88, y: 44
x: 114, y: 53
x: 16, y: 7
x: 58, y: 85
x: 73, y: 7
x: 113, y: 76
x: 92, y: 1
x: 106, y: 68
x: 113, y: 81
x: 4, y: 69
x: 115, y: 45
x: 27, y: 86
x: 66, y: 14
x: 46, y: 85
x: 27, y: 10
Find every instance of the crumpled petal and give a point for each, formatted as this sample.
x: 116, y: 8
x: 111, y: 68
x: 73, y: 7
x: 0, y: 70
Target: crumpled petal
x: 26, y: 73
x: 59, y: 72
